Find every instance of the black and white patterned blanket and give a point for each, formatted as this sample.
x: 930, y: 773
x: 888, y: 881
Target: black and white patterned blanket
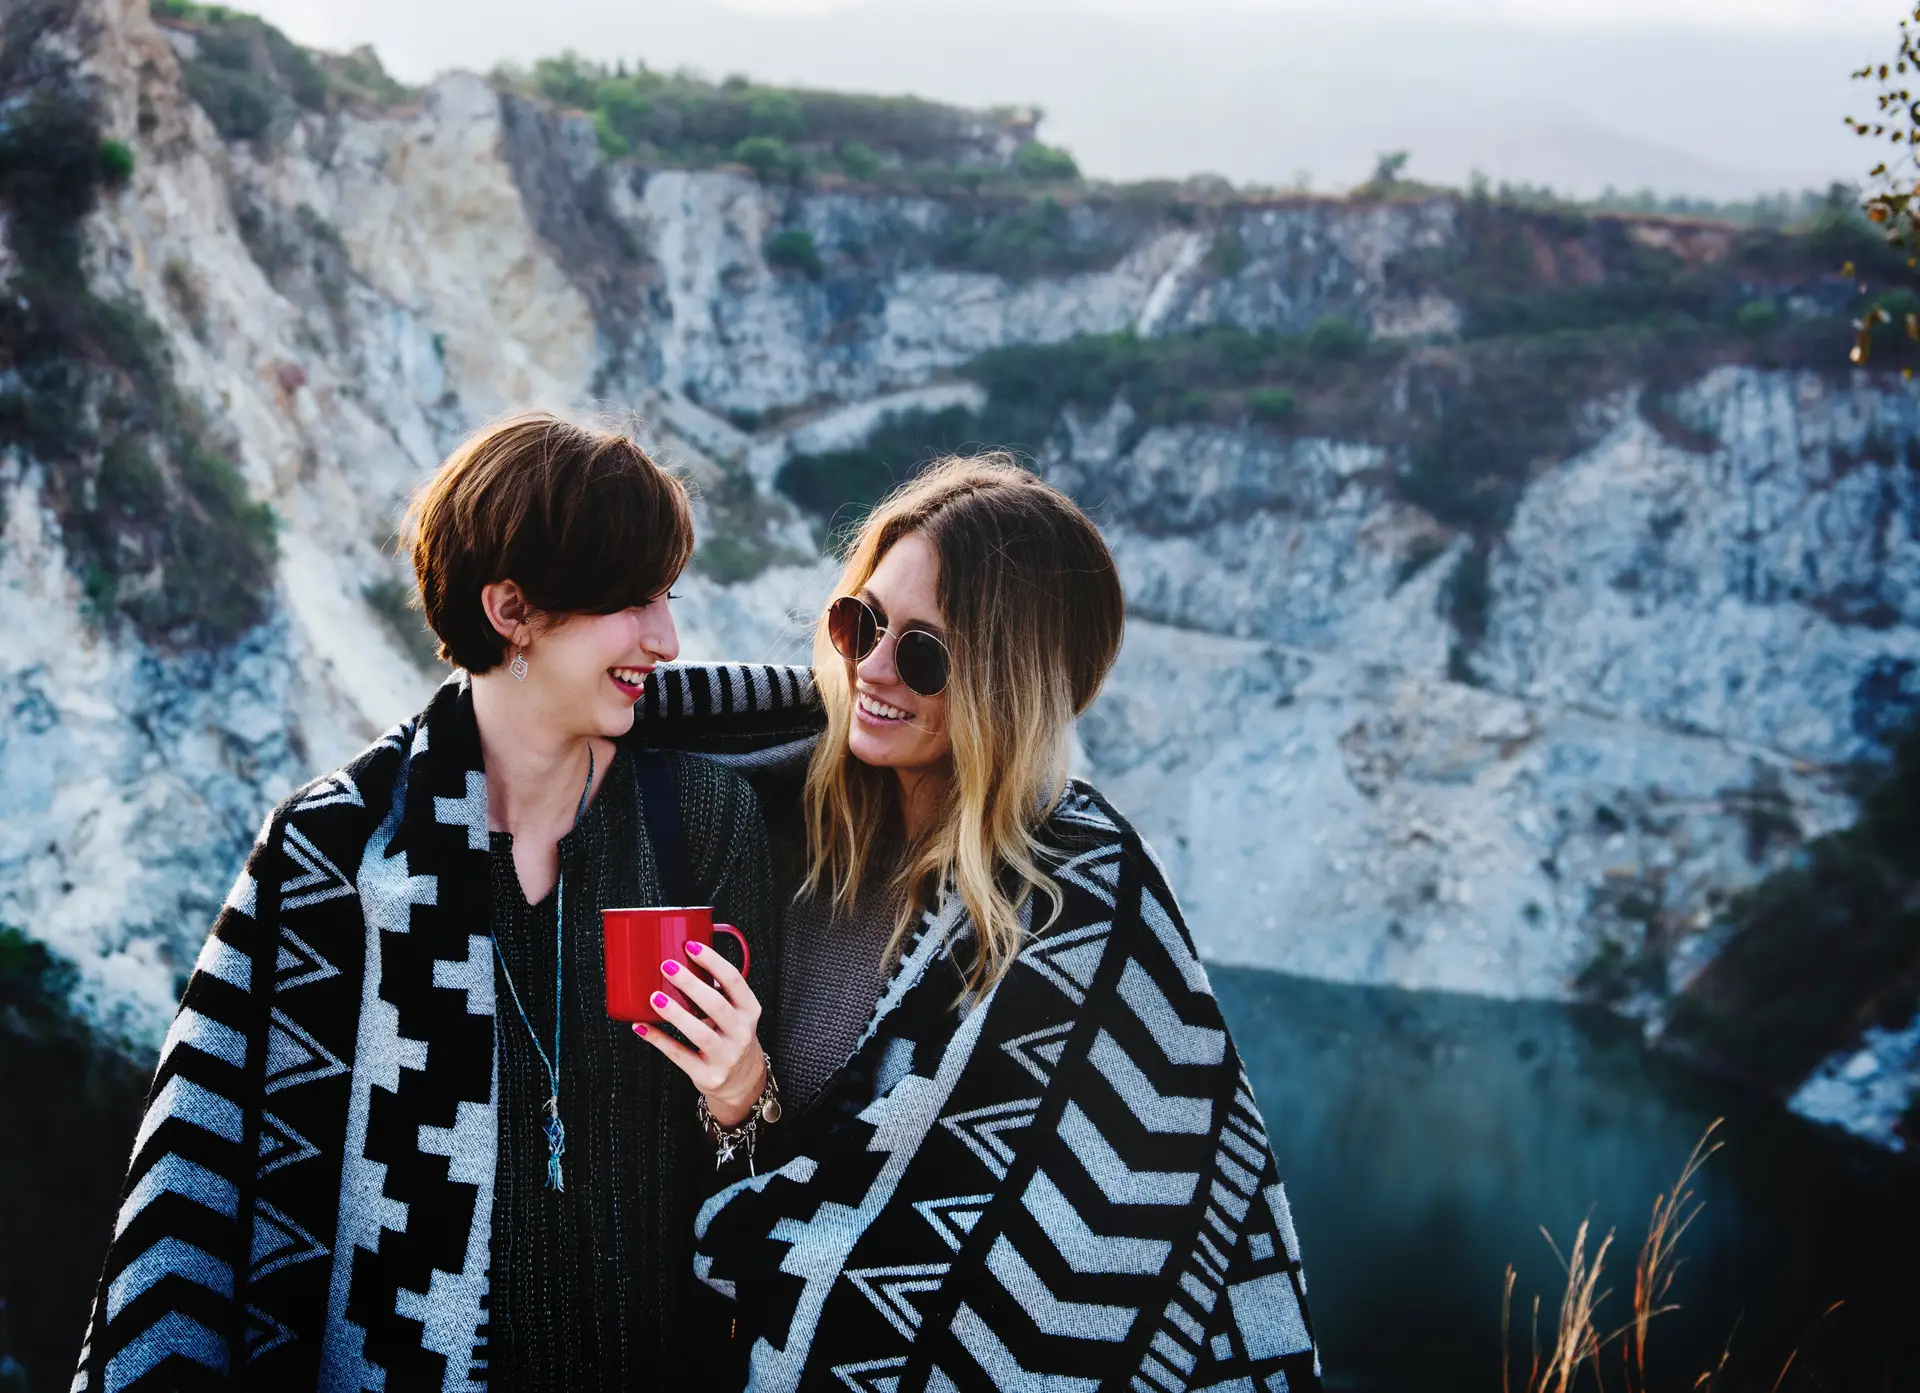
x: 1066, y: 1188
x: 310, y: 1199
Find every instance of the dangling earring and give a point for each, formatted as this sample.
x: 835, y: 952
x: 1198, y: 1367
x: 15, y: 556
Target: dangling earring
x: 518, y: 667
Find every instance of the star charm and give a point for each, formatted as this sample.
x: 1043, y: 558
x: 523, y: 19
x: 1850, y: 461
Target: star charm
x: 726, y: 1153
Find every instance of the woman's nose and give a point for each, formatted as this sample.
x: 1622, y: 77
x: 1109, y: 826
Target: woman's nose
x: 663, y: 638
x: 876, y: 669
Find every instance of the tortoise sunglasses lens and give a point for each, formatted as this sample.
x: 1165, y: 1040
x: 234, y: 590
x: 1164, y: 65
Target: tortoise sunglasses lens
x: 921, y: 659
x: 853, y: 628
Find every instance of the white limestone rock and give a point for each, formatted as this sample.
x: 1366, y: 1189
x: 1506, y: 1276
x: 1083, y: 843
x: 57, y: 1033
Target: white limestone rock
x: 1346, y: 820
x: 1870, y: 1090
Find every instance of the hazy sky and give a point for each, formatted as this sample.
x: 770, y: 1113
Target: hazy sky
x: 1731, y: 14
x: 1714, y: 97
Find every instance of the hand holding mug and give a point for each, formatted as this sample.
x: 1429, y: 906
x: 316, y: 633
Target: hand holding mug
x: 722, y: 1056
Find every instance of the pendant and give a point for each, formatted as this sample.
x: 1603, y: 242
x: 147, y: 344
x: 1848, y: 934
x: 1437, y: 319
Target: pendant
x: 556, y: 1131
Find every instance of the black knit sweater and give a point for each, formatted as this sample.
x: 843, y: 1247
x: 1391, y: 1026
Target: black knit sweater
x: 593, y: 1287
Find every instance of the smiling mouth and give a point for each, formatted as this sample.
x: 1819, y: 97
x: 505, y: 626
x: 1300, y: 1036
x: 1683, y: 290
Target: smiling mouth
x: 877, y: 710
x: 629, y: 680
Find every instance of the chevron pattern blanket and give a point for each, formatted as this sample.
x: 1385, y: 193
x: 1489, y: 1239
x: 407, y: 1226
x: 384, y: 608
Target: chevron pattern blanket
x: 1066, y: 1188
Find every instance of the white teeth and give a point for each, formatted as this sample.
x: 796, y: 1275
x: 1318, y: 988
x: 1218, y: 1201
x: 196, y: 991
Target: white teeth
x: 881, y: 709
x: 631, y: 676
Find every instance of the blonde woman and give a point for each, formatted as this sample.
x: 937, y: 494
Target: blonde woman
x: 1027, y: 1158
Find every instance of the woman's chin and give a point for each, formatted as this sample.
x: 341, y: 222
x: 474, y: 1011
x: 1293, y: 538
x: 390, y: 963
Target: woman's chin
x: 880, y: 748
x: 611, y: 720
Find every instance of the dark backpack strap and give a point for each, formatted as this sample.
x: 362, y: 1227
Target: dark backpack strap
x: 660, y: 806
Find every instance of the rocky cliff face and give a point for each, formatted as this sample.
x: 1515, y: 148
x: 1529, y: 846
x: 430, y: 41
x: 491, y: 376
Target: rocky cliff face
x: 1375, y: 738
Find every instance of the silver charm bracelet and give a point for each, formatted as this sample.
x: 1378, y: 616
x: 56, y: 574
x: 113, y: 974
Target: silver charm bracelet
x: 729, y: 1141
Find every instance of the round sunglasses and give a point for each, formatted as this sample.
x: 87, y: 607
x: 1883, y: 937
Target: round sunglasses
x: 921, y: 659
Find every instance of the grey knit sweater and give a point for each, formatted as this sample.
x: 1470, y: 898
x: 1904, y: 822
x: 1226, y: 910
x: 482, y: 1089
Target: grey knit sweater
x: 832, y: 971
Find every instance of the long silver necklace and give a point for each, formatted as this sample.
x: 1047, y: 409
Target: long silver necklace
x: 555, y: 1129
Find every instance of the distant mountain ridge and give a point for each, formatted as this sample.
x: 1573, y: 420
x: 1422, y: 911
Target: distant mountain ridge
x: 1258, y: 97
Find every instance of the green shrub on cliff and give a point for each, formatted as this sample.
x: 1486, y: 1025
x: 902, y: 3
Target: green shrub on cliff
x: 1336, y: 338
x: 116, y: 162
x: 1206, y: 374
x: 34, y: 984
x: 1273, y: 405
x: 155, y: 521
x: 859, y: 160
x: 1046, y: 164
x: 838, y: 487
x: 1022, y: 239
x: 769, y: 159
x: 253, y: 81
x: 793, y: 249
x: 681, y: 119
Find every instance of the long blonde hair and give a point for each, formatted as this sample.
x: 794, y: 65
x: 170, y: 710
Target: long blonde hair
x: 1033, y: 612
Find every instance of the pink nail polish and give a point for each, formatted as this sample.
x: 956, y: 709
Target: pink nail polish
x: 639, y: 1029
x: 670, y: 967
x: 660, y: 1001
x: 694, y: 950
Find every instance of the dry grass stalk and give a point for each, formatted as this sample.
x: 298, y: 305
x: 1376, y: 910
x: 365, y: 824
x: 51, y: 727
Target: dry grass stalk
x: 1673, y: 1213
x: 1577, y: 1338
x: 1710, y: 1379
x: 1797, y: 1348
x: 1577, y: 1341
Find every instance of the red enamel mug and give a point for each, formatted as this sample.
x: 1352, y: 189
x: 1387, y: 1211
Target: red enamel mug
x: 639, y: 940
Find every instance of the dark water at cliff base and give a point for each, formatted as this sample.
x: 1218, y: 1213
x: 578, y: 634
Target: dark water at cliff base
x: 68, y: 1112
x: 1424, y: 1139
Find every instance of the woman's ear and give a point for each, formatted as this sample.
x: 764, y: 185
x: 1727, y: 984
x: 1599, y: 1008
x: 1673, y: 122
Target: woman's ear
x: 507, y: 610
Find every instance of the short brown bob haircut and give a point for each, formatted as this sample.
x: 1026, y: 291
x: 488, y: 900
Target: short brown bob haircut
x: 581, y: 519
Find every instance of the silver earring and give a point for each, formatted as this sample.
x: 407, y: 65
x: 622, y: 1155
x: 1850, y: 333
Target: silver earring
x: 518, y: 667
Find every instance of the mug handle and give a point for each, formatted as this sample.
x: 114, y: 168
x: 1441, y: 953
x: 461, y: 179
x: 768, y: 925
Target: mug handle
x: 746, y: 953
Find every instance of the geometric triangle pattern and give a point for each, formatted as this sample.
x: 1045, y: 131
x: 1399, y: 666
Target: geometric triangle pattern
x: 298, y: 965
x: 1070, y: 960
x: 333, y: 791
x: 281, y: 1146
x: 264, y: 1333
x: 1038, y: 1052
x: 873, y: 1376
x: 319, y: 878
x: 889, y: 1287
x: 1097, y: 872
x: 294, y: 1057
x: 980, y: 1130
x: 279, y: 1242
x: 953, y: 1218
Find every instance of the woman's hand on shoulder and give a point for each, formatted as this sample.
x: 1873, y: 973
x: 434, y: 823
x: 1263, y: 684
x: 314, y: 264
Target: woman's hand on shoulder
x: 725, y: 1061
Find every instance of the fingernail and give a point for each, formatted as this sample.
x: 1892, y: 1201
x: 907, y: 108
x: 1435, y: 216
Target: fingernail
x: 660, y: 1001
x: 639, y: 1029
x: 693, y: 950
x: 670, y: 967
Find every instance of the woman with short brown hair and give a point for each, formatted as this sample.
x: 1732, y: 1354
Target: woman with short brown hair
x: 394, y: 1139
